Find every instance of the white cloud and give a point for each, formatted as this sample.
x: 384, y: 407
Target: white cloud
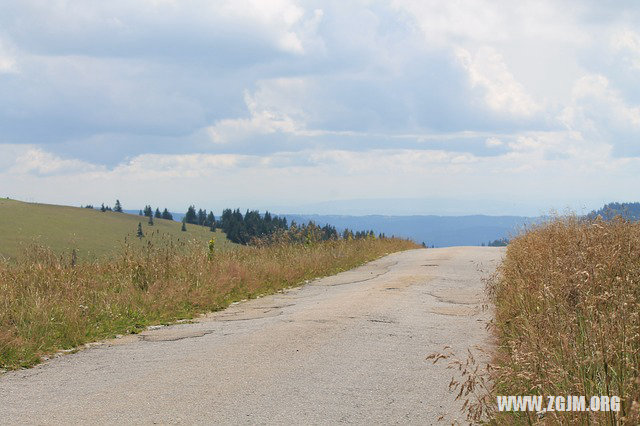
x: 627, y: 42
x: 273, y: 107
x: 601, y: 115
x: 8, y: 61
x: 493, y: 142
x: 502, y: 93
x: 39, y: 162
x: 280, y: 17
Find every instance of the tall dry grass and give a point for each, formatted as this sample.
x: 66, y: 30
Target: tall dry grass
x: 567, y: 318
x: 47, y: 303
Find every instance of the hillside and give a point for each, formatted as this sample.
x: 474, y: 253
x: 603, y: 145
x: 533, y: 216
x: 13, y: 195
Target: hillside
x: 92, y: 233
x: 441, y: 231
x: 628, y: 211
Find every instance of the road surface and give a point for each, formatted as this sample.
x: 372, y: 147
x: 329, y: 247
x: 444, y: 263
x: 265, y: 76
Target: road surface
x: 348, y: 348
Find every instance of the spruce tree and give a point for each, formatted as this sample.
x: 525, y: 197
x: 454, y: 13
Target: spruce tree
x: 211, y: 221
x: 140, y: 213
x: 150, y: 221
x: 157, y: 214
x: 191, y: 216
x: 167, y: 215
x: 117, y: 207
x: 102, y: 208
x: 184, y: 226
x: 140, y: 234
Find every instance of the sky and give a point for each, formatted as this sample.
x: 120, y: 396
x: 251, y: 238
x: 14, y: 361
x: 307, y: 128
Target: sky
x: 390, y: 107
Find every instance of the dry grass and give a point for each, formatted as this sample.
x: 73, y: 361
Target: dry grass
x: 48, y: 304
x: 568, y: 318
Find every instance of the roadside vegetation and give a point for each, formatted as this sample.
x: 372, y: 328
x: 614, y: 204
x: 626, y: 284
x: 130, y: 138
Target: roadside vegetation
x: 567, y: 318
x: 48, y: 302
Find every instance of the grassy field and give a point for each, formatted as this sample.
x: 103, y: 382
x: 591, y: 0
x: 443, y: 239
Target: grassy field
x: 47, y: 304
x: 92, y: 233
x: 568, y: 318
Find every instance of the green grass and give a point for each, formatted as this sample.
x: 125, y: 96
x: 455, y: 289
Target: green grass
x: 92, y: 233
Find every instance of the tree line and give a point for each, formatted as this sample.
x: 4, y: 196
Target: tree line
x: 250, y: 228
x: 148, y: 212
x: 256, y: 228
x: 117, y: 207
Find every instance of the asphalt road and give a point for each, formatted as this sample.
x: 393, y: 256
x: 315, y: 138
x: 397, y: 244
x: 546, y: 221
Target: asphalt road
x: 349, y: 348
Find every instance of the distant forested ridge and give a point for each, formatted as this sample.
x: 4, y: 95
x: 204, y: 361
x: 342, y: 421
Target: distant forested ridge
x: 256, y: 228
x: 628, y: 211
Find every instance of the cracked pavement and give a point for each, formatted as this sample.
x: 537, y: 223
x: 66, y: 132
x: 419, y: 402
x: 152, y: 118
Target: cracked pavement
x: 347, y: 348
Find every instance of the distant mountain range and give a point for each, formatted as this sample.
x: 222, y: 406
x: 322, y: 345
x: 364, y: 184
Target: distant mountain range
x: 443, y: 231
x: 439, y: 231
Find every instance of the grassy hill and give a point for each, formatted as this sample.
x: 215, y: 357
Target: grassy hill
x: 92, y: 233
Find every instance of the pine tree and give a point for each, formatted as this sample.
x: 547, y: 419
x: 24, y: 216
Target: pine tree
x: 157, y: 214
x: 140, y: 213
x: 202, y: 217
x: 148, y: 211
x: 211, y: 221
x: 191, y: 216
x: 102, y: 208
x: 117, y: 207
x: 140, y: 234
x: 184, y: 225
x: 150, y: 221
x: 167, y: 215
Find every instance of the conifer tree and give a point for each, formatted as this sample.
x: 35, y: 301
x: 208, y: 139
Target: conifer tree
x: 211, y: 221
x: 157, y: 214
x: 202, y: 217
x: 148, y: 211
x: 140, y: 234
x: 103, y: 208
x: 150, y: 221
x: 191, y: 216
x: 117, y: 207
x: 167, y: 215
x: 140, y: 213
x: 184, y: 225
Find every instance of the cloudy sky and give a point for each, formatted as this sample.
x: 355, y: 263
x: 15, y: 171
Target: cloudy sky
x: 429, y: 106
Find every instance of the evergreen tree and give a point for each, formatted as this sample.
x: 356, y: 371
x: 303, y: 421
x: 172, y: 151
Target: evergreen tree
x: 103, y: 208
x: 140, y: 213
x: 211, y: 221
x: 167, y: 215
x: 150, y: 221
x: 157, y: 214
x: 184, y: 225
x: 140, y: 234
x: 202, y: 217
x: 117, y: 207
x: 191, y: 216
x: 148, y: 211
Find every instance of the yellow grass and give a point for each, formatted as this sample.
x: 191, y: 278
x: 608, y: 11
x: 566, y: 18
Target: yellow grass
x: 46, y: 304
x: 568, y: 318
